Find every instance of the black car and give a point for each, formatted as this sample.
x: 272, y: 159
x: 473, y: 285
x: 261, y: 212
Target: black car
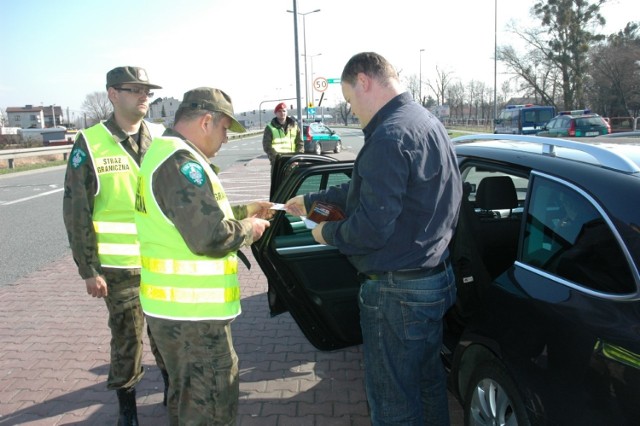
x: 546, y: 327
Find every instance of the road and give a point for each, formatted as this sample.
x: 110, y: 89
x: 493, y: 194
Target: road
x: 31, y: 227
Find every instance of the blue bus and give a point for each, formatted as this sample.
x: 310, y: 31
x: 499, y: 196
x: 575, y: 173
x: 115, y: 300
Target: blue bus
x: 523, y: 119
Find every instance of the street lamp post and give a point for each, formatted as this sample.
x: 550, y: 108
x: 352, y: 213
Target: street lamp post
x: 420, y: 88
x: 495, y: 60
x: 311, y: 57
x: 304, y: 38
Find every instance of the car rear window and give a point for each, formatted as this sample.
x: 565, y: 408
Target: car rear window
x: 589, y: 121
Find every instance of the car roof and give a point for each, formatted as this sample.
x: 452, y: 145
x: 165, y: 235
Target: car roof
x: 617, y: 154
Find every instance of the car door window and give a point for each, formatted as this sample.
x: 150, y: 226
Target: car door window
x: 566, y: 235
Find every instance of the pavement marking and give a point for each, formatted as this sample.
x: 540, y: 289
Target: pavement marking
x: 32, y: 197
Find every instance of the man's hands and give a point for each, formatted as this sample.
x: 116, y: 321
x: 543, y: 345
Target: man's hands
x: 258, y: 226
x: 295, y: 206
x: 260, y: 209
x: 97, y: 286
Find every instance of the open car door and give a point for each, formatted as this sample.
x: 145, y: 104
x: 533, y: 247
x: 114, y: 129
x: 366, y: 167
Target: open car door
x: 314, y: 282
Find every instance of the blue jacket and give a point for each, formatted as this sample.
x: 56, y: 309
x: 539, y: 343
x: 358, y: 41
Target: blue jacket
x: 403, y: 199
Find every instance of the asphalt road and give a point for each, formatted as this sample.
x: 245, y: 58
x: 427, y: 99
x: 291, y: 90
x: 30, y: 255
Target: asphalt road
x: 32, y: 232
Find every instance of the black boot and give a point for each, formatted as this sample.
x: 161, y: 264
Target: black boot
x: 128, y: 410
x: 165, y: 378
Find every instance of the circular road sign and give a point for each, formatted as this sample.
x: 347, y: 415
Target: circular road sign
x: 320, y: 84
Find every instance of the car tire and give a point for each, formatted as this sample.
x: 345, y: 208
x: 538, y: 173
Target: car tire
x: 493, y: 398
x: 338, y: 147
x: 318, y: 149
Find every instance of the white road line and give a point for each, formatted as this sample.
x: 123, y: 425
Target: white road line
x: 33, y: 196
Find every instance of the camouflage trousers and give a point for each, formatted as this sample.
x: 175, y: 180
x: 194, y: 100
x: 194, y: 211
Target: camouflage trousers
x: 126, y: 321
x: 203, y: 370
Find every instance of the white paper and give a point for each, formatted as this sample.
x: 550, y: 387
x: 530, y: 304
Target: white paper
x: 308, y: 223
x: 277, y: 206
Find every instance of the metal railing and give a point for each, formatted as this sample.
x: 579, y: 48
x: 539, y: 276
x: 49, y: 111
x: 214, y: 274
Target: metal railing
x: 11, y: 154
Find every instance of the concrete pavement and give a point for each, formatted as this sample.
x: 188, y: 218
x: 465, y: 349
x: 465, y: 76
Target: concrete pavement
x: 54, y: 352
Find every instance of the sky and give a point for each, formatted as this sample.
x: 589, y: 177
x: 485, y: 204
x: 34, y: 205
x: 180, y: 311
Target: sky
x: 58, y: 52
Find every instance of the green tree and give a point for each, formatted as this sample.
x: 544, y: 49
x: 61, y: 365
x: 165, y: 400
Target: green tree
x: 615, y: 73
x: 566, y: 37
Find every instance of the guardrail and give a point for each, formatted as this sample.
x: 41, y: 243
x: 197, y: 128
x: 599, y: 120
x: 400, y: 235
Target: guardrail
x: 12, y: 154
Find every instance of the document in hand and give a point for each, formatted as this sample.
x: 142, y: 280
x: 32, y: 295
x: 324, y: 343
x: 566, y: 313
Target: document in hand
x: 325, y: 212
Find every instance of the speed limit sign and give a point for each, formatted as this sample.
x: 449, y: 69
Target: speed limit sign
x: 320, y: 84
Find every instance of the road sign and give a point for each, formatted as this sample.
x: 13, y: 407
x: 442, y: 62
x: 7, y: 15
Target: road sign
x: 320, y: 84
x: 333, y: 80
x: 311, y: 111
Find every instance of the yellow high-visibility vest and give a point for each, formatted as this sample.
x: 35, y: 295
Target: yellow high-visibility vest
x: 175, y: 282
x: 281, y: 141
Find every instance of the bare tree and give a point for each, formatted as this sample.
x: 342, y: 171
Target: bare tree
x: 4, y: 120
x: 344, y: 111
x: 97, y: 107
x: 440, y: 88
x: 412, y: 83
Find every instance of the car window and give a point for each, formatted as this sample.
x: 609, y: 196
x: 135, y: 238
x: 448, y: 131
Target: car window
x: 567, y: 236
x: 473, y: 175
x: 589, y: 121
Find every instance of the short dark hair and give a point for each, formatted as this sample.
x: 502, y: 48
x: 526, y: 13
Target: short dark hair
x: 371, y: 64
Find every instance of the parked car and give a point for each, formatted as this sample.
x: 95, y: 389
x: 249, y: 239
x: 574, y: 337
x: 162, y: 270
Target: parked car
x: 319, y: 138
x: 576, y: 123
x: 546, y: 326
x: 525, y: 119
x: 623, y: 124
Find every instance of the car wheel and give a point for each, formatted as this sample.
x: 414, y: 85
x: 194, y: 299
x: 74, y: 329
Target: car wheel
x: 318, y: 149
x: 492, y: 398
x: 338, y: 147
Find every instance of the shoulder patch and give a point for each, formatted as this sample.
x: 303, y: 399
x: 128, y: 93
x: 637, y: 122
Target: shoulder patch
x: 194, y: 173
x: 77, y: 158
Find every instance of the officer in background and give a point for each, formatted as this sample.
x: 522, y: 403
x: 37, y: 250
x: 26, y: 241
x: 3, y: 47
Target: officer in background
x: 189, y: 241
x: 99, y: 195
x: 282, y: 134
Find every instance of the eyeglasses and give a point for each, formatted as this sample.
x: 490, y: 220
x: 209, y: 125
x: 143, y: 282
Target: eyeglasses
x: 135, y: 91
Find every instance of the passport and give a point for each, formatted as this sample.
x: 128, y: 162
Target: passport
x: 325, y: 212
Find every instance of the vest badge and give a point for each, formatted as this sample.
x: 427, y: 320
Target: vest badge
x: 78, y: 157
x: 194, y: 173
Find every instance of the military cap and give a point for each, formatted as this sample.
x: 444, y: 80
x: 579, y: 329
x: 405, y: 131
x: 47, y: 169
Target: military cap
x: 214, y: 100
x: 280, y: 106
x: 132, y: 75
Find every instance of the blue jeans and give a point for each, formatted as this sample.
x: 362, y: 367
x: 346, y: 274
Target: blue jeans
x: 401, y: 325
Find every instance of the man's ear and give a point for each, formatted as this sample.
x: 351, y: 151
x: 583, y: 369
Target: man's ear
x: 205, y: 120
x: 364, y: 81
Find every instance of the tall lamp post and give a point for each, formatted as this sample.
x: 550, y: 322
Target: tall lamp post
x: 304, y: 38
x: 495, y: 60
x: 311, y: 57
x: 420, y: 88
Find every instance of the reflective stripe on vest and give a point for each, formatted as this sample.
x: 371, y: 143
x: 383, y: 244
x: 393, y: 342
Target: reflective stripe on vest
x: 113, y: 219
x: 281, y: 141
x: 177, y: 283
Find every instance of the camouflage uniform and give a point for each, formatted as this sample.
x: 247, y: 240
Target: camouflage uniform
x: 126, y: 319
x: 200, y: 358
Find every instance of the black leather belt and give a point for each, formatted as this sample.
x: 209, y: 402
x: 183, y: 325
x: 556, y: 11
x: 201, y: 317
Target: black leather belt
x: 406, y: 274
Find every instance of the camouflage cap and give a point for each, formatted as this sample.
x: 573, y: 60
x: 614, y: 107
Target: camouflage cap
x: 211, y: 99
x: 133, y: 75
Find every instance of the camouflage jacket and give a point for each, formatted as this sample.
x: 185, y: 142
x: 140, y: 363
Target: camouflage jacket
x: 80, y: 185
x: 194, y: 210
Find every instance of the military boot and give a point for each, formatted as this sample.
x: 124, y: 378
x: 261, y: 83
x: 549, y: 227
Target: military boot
x: 165, y: 378
x: 128, y: 410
